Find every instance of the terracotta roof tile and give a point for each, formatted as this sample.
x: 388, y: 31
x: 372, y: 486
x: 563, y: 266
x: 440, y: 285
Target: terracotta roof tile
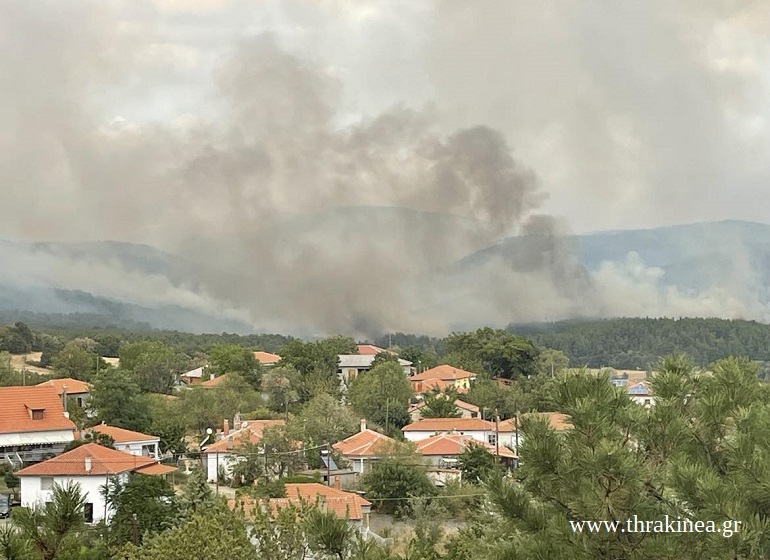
x: 458, y: 403
x: 252, y: 434
x: 454, y: 444
x: 121, y: 435
x: 449, y: 424
x: 74, y: 386
x: 156, y: 469
x: 370, y: 349
x: 73, y: 463
x: 266, y: 358
x: 366, y: 443
x: 16, y: 404
x: 215, y: 381
x: 556, y: 420
x: 339, y: 502
x: 444, y: 372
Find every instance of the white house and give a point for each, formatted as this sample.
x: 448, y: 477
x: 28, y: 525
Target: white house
x: 466, y: 410
x: 135, y: 443
x: 33, y: 424
x: 351, y: 365
x: 223, y: 454
x: 192, y: 377
x: 91, y: 466
x: 482, y: 431
x: 641, y: 393
x: 364, y: 448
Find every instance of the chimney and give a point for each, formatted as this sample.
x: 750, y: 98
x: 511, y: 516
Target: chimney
x: 237, y: 421
x: 88, y: 464
x: 64, y: 398
x: 226, y: 430
x: 230, y: 443
x: 337, y: 483
x: 363, y: 424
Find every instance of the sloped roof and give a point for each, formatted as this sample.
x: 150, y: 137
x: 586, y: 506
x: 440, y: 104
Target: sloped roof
x: 366, y: 443
x: 74, y: 386
x: 444, y: 372
x: 556, y: 420
x: 454, y: 444
x: 104, y: 461
x: 266, y: 358
x: 121, y: 435
x: 449, y: 424
x: 341, y: 503
x: 17, y: 402
x: 156, y: 469
x: 252, y: 434
x: 363, y: 361
x: 458, y: 403
x: 215, y: 381
x: 193, y: 373
x: 370, y: 349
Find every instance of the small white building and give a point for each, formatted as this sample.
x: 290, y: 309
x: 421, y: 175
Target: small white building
x: 641, y: 393
x: 91, y: 466
x: 352, y: 365
x: 482, y: 431
x: 135, y: 443
x: 223, y: 453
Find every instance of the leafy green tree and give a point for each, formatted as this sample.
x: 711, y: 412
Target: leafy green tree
x: 280, y: 534
x: 324, y: 420
x: 116, y: 400
x: 317, y: 363
x: 91, y: 437
x: 381, y: 395
x: 283, y: 455
x: 215, y: 532
x: 501, y: 353
x: 197, y: 493
x: 76, y: 362
x: 477, y: 464
x: 231, y: 358
x: 384, y: 358
x: 421, y: 359
x: 53, y: 528
x: 143, y: 505
x: 551, y: 362
x: 283, y: 385
x: 440, y: 405
x: 12, y: 481
x: 16, y: 339
x: 155, y: 366
x: 12, y: 545
x: 392, y: 483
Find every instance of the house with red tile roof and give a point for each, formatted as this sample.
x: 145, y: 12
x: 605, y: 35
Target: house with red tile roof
x: 370, y: 350
x: 222, y: 454
x: 442, y: 447
x: 364, y: 448
x: 345, y: 505
x: 129, y: 441
x: 467, y: 410
x: 33, y: 424
x: 441, y: 377
x: 215, y: 381
x: 484, y: 431
x: 266, y: 358
x: 89, y: 465
x: 79, y: 390
x: 352, y: 365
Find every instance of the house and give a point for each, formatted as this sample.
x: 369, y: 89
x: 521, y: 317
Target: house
x: 364, y: 448
x: 370, y: 350
x: 266, y: 358
x: 192, y: 377
x: 453, y: 377
x: 444, y: 449
x: 351, y: 365
x: 33, y: 424
x: 641, y: 393
x: 482, y: 431
x: 89, y: 465
x: 222, y: 455
x: 467, y: 410
x: 215, y: 381
x: 557, y: 421
x: 346, y: 505
x: 134, y: 443
x: 68, y: 387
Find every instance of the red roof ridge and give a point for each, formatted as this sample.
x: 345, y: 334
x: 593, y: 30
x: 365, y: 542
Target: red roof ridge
x: 103, y: 461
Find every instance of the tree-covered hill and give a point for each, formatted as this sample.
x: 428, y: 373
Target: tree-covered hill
x: 631, y: 343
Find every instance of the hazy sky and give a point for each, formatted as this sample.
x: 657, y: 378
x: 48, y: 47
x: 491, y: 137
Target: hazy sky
x: 629, y: 113
x: 214, y: 128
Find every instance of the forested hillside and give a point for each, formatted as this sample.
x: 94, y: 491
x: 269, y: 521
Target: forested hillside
x: 636, y: 343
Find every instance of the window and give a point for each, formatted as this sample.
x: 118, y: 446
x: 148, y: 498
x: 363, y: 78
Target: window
x: 88, y: 513
x: 37, y: 413
x: 46, y: 483
x: 492, y: 439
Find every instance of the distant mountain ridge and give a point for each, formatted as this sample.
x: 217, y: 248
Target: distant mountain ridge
x: 730, y: 255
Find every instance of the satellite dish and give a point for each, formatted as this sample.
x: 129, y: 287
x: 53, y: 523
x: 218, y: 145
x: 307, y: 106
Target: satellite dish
x: 209, y: 431
x: 243, y: 424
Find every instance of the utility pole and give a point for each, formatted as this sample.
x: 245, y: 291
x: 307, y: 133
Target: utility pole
x: 328, y: 466
x: 134, y: 530
x: 217, y: 491
x: 497, y: 435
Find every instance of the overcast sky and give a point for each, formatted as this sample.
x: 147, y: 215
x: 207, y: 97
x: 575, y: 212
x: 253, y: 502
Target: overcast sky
x: 630, y: 114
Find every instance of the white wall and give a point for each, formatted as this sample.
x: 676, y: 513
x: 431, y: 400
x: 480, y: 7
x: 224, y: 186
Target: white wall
x: 226, y: 460
x: 36, y: 438
x: 90, y: 486
x: 135, y: 448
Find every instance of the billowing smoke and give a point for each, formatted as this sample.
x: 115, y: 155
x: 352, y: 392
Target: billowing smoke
x: 294, y: 211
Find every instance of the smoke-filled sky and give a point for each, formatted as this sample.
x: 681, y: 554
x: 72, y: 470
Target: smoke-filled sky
x: 243, y: 135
